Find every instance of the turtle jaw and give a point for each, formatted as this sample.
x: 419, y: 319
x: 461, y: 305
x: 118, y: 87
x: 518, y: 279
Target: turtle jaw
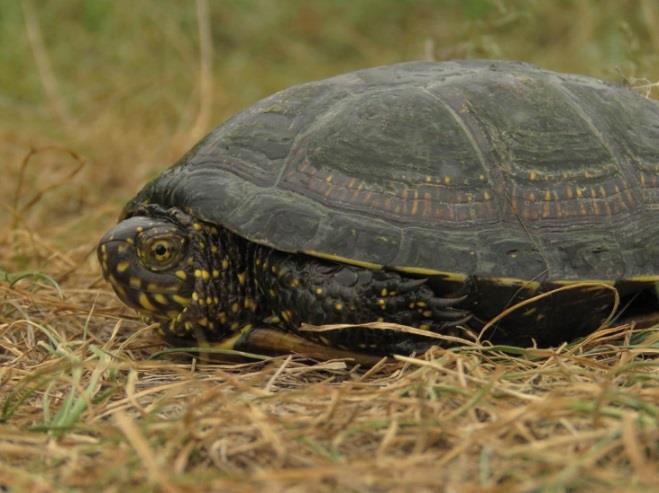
x: 158, y: 294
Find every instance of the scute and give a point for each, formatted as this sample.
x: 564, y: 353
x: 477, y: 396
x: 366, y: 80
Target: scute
x: 487, y: 168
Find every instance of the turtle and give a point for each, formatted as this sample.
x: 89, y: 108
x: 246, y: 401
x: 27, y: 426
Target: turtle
x: 468, y: 198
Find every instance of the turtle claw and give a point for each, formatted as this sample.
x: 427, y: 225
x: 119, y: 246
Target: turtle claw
x: 446, y: 302
x: 409, y: 286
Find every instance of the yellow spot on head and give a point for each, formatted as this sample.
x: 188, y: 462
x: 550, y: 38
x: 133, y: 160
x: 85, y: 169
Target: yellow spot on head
x: 235, y: 307
x: 122, y: 266
x: 209, y: 300
x: 152, y: 286
x: 424, y: 327
x: 197, y: 273
x: 319, y: 291
x: 338, y: 306
x: 135, y: 282
x: 383, y: 292
x: 146, y: 303
x: 197, y: 226
x: 195, y: 296
x: 225, y: 263
x: 216, y: 273
x: 181, y: 274
x: 160, y: 298
x: 205, y: 274
x: 180, y: 300
x: 241, y: 278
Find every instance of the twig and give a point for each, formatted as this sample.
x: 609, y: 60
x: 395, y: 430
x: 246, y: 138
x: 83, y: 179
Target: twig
x: 42, y: 61
x: 205, y: 71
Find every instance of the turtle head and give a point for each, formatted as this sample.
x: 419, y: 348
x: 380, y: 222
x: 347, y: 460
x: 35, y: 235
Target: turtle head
x: 148, y: 262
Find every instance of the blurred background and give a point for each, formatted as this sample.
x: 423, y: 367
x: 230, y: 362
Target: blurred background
x: 97, y: 96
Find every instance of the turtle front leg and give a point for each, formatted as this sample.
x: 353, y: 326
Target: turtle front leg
x: 304, y: 289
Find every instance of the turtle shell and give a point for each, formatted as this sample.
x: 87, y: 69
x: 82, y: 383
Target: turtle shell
x: 492, y: 169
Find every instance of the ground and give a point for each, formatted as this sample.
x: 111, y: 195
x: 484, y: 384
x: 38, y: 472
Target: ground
x: 98, y: 96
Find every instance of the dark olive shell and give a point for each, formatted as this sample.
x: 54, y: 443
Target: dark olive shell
x: 489, y: 168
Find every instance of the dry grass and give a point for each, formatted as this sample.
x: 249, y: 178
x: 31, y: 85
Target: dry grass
x: 86, y: 401
x: 83, y: 405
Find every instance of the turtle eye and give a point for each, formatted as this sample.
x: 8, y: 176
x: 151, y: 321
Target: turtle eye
x: 162, y: 253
